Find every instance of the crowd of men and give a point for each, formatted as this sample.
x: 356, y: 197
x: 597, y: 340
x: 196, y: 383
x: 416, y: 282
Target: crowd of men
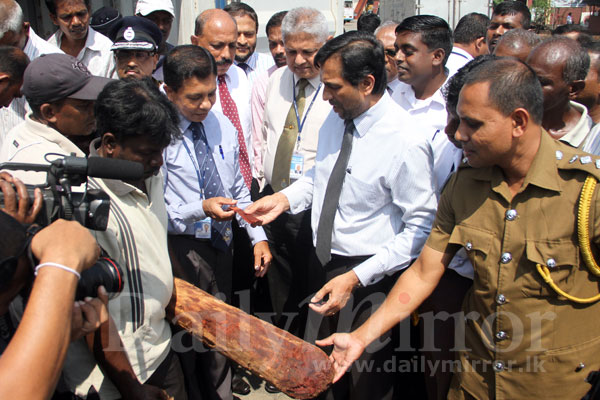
x: 401, y: 172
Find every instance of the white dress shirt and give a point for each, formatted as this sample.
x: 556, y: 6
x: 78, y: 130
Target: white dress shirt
x: 387, y: 204
x: 258, y: 63
x: 96, y: 53
x: 393, y: 86
x: 182, y: 189
x: 457, y: 59
x: 257, y: 105
x: 14, y: 114
x: 581, y: 134
x: 240, y: 91
x: 279, y: 97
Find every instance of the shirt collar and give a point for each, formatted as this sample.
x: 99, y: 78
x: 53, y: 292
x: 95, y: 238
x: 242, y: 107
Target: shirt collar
x: 576, y: 136
x: 314, y: 81
x: 438, y: 97
x: 184, y: 123
x: 543, y: 171
x: 251, y: 61
x: 52, y: 135
x: 462, y: 52
x: 367, y: 119
x: 91, y: 40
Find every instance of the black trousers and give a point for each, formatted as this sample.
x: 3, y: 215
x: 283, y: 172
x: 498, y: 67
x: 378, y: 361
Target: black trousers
x: 290, y: 242
x: 367, y: 378
x: 207, y: 373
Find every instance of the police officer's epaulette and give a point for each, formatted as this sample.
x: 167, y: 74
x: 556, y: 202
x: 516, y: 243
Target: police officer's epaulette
x: 568, y: 157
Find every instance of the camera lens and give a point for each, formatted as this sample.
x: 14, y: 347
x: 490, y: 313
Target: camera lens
x: 105, y: 272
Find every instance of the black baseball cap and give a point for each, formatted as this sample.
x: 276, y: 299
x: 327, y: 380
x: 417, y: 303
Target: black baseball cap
x: 104, y: 19
x: 53, y: 77
x: 135, y: 33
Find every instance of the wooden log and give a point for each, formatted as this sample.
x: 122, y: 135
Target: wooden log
x: 296, y: 367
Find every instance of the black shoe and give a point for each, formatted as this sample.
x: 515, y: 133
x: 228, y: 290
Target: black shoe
x: 239, y: 386
x: 270, y: 388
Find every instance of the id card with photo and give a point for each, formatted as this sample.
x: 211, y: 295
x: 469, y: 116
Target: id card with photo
x: 202, y: 228
x: 297, y: 166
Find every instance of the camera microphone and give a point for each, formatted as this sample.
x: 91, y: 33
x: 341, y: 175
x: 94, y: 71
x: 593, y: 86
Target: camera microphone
x: 100, y: 167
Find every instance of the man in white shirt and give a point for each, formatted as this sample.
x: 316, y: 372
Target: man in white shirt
x: 294, y: 113
x: 76, y: 38
x: 386, y: 34
x: 246, y: 57
x: 469, y: 41
x: 18, y: 33
x: 424, y: 43
x: 372, y: 198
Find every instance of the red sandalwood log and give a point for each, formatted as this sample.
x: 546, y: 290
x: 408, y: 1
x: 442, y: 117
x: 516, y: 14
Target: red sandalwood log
x: 296, y: 367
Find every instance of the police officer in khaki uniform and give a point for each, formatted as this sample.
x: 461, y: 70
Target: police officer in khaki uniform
x: 513, y: 208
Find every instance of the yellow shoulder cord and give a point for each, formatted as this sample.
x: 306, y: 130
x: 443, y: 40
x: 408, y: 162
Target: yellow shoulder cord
x: 583, y: 216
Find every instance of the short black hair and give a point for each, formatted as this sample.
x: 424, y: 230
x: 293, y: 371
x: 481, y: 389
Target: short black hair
x: 361, y: 54
x: 593, y: 48
x: 435, y: 32
x: 514, y: 8
x: 583, y: 35
x: 368, y: 22
x: 130, y: 108
x: 513, y: 84
x: 241, y: 9
x: 13, y: 62
x: 451, y: 90
x: 275, y: 21
x: 187, y: 61
x: 51, y: 4
x: 470, y: 28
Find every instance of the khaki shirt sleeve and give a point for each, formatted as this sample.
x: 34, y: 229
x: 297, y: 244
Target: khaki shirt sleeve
x: 444, y: 220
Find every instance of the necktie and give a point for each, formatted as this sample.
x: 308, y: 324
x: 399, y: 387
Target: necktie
x: 231, y: 112
x: 332, y: 196
x: 285, y: 147
x: 213, y: 186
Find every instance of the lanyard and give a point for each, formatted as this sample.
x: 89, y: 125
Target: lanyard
x: 199, y: 174
x: 301, y: 125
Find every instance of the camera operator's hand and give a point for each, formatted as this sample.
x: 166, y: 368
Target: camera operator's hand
x: 19, y: 210
x: 67, y: 243
x: 89, y: 314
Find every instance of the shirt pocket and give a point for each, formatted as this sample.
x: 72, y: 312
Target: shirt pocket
x: 560, y: 256
x: 478, y: 245
x: 358, y: 196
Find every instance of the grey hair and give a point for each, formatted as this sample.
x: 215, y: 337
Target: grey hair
x: 385, y: 25
x: 13, y: 21
x: 306, y: 20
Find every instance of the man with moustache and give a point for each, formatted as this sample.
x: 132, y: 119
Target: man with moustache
x: 135, y: 47
x: 506, y: 16
x: 372, y: 208
x: 246, y: 57
x: 76, y: 38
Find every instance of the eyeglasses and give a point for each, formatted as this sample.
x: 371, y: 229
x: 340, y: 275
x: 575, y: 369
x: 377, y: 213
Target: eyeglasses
x: 390, y: 52
x: 138, y: 54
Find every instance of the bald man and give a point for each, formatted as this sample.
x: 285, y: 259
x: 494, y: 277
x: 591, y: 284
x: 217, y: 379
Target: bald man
x: 561, y: 65
x: 517, y: 43
x: 386, y: 34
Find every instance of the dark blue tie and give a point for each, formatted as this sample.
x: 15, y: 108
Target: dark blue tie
x: 213, y: 187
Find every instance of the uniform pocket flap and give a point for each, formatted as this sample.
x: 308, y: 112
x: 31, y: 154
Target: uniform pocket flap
x: 472, y: 238
x: 552, y: 253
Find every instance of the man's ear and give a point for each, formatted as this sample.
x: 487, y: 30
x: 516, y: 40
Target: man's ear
x: 481, y: 47
x: 54, y: 19
x: 438, y: 57
x: 520, y: 120
x: 366, y: 84
x: 575, y: 89
x: 169, y: 91
x: 194, y: 40
x: 108, y: 145
x: 48, y: 112
x: 4, y: 81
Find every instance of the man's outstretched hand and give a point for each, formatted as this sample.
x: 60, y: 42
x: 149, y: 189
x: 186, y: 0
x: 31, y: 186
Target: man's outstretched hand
x: 268, y: 208
x: 346, y: 350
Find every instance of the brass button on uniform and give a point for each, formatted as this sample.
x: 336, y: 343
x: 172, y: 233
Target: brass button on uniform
x: 551, y: 263
x: 500, y: 299
x: 469, y: 246
x: 498, y: 366
x: 501, y: 335
x: 511, y: 215
x: 506, y: 258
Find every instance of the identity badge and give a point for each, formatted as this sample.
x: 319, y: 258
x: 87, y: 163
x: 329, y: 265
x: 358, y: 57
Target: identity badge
x: 202, y: 228
x: 297, y: 166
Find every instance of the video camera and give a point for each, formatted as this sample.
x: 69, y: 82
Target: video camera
x: 90, y: 207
